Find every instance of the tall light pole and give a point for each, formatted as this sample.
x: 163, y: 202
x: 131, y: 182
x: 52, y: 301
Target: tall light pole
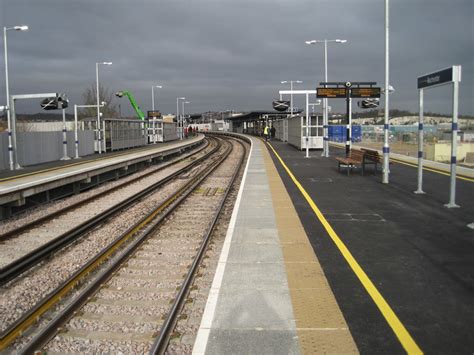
x: 386, y: 149
x: 10, y: 146
x: 325, y: 101
x: 291, y: 88
x: 153, y: 96
x: 178, y: 120
x: 99, y: 137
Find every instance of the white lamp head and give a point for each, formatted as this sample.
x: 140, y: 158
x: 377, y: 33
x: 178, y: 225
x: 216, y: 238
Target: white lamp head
x: 21, y: 28
x: 341, y: 40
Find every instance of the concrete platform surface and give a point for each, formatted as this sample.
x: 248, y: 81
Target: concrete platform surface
x: 261, y: 301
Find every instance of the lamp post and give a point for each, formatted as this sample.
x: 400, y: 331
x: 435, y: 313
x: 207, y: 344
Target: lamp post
x: 325, y: 101
x: 178, y: 120
x: 10, y: 146
x: 153, y: 95
x: 291, y: 87
x: 99, y: 138
x: 153, y: 109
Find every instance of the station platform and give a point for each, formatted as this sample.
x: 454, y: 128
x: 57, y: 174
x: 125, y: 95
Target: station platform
x: 316, y: 261
x: 45, y: 181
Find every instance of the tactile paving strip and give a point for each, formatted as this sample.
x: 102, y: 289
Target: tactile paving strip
x: 321, y: 327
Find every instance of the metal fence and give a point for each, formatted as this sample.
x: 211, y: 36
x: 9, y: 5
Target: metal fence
x: 42, y: 147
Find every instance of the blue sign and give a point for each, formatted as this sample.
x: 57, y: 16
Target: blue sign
x: 436, y: 78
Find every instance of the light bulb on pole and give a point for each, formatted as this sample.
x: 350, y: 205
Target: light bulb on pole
x: 11, y: 153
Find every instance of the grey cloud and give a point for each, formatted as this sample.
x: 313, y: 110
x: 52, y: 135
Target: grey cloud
x: 233, y: 54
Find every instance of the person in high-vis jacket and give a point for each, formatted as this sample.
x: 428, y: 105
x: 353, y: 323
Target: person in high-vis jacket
x: 266, y: 132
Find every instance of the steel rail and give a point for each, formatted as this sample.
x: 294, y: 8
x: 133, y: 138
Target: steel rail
x: 42, y: 219
x: 145, y: 226
x: 29, y: 318
x: 26, y: 262
x: 161, y: 343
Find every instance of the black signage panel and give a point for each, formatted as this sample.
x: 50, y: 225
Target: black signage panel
x: 154, y: 114
x: 331, y: 92
x: 437, y: 78
x: 365, y: 92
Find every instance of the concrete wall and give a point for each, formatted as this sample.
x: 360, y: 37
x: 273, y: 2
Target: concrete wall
x: 42, y: 147
x: 442, y: 151
x: 170, y: 132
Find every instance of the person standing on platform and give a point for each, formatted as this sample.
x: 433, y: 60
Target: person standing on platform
x: 272, y: 132
x: 266, y: 132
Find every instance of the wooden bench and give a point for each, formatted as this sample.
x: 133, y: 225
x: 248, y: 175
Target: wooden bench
x: 355, y: 158
x: 371, y: 157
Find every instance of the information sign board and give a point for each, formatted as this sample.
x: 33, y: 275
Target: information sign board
x: 154, y: 114
x: 365, y: 92
x: 331, y: 92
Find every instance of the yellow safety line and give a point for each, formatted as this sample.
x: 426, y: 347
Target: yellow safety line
x: 398, y: 328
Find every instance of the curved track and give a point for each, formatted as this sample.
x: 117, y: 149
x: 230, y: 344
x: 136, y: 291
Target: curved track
x: 134, y: 237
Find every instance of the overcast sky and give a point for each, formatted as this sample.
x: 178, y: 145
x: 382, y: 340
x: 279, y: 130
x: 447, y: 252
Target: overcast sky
x: 232, y: 54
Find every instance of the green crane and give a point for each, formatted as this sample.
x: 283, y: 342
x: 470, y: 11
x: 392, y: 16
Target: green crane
x: 134, y: 104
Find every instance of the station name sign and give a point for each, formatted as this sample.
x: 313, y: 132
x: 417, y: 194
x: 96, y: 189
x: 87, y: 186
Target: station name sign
x: 437, y: 78
x: 331, y: 92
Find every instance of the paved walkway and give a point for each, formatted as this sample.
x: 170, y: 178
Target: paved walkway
x: 269, y: 295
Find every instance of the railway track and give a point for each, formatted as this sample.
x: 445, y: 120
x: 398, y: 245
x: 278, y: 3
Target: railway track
x: 159, y: 241
x: 29, y: 244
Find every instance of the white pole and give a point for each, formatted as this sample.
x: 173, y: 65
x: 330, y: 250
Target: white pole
x: 291, y: 98
x: 76, y: 140
x: 454, y: 140
x: 99, y: 143
x: 152, y: 98
x: 13, y: 120
x: 153, y: 125
x: 386, y: 148
x: 65, y: 157
x: 177, y: 116
x: 103, y: 140
x: 9, y: 129
x: 419, y: 190
x: 307, y: 127
x: 325, y: 104
x: 182, y: 117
